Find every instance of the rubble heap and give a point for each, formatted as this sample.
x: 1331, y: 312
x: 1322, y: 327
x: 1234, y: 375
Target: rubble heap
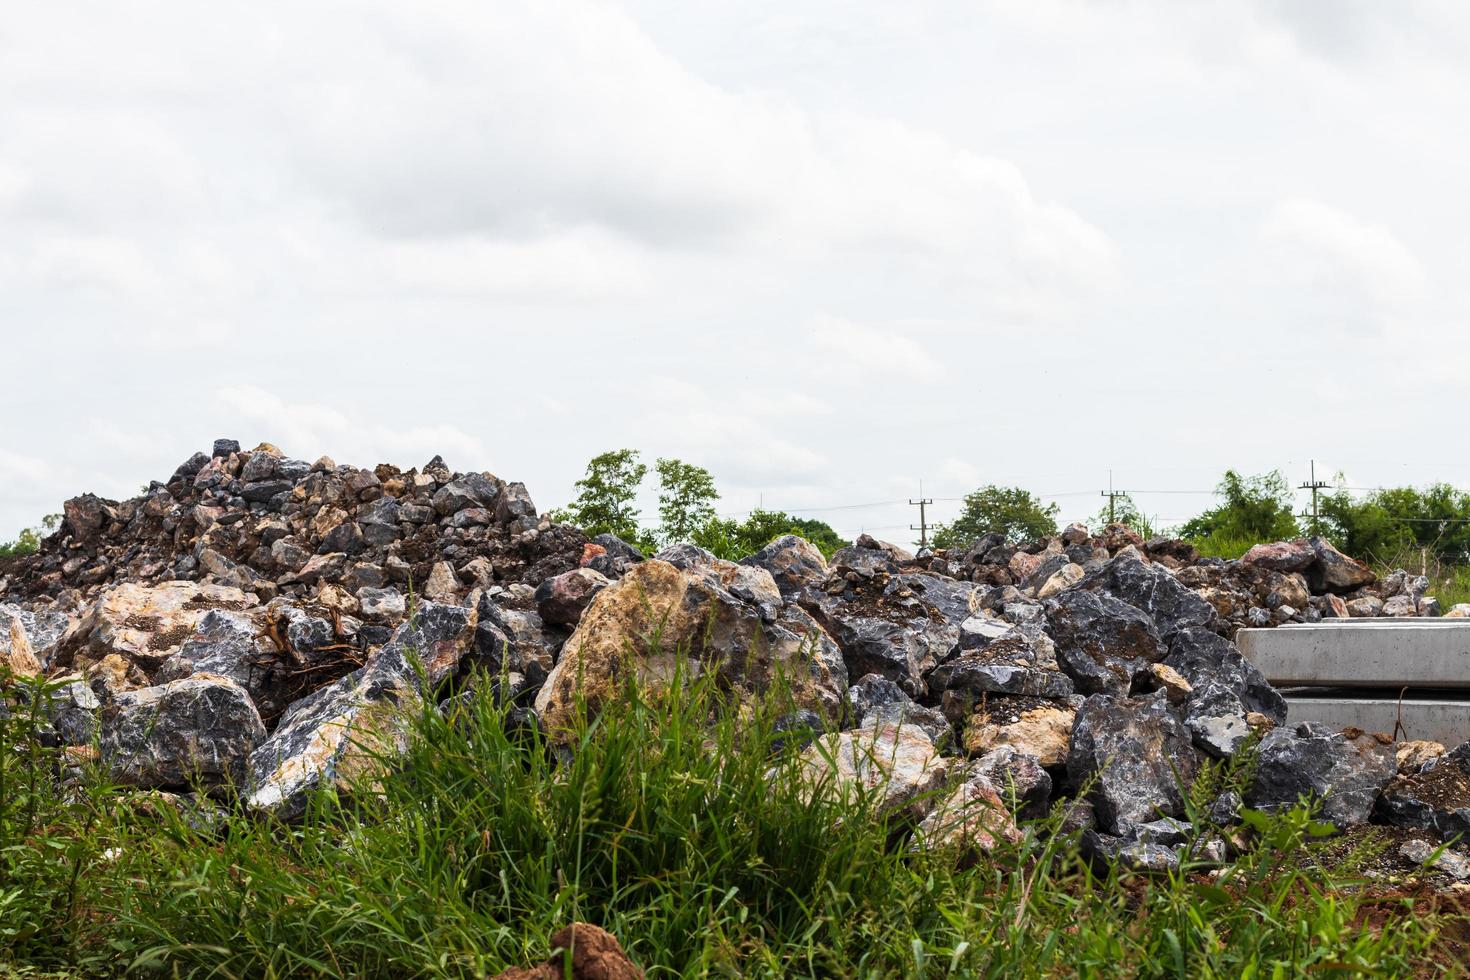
x: 257, y: 627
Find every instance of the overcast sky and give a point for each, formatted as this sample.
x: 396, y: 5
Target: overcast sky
x: 826, y: 249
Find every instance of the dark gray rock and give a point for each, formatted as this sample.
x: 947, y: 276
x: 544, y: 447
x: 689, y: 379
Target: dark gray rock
x: 1102, y: 642
x: 226, y: 644
x: 1130, y: 855
x: 794, y: 563
x: 514, y: 508
x: 1137, y: 756
x: 433, y: 640
x: 263, y: 491
x: 197, y: 731
x: 1171, y: 605
x: 1344, y: 774
x: 1437, y: 798
x: 224, y: 447
x: 1018, y: 777
x: 1203, y: 657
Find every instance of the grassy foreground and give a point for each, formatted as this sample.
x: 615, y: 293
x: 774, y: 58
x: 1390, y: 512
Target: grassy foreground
x: 666, y: 827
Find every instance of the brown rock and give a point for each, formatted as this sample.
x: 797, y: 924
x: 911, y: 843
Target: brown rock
x: 595, y: 955
x: 1032, y: 725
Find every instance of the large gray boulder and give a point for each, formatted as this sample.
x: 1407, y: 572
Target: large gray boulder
x: 197, y: 731
x: 1151, y: 588
x: 1135, y: 754
x: 794, y: 563
x: 1205, y: 659
x: 350, y: 729
x: 1344, y: 774
x: 1102, y: 642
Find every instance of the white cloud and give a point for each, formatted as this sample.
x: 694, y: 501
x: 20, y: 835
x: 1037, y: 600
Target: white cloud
x: 1336, y: 256
x: 860, y: 350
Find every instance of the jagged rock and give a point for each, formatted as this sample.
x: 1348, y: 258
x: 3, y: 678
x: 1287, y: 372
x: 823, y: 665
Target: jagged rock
x: 229, y: 644
x: 348, y: 730
x: 1171, y: 605
x: 1131, y: 855
x: 1017, y: 661
x: 898, y: 626
x: 1204, y: 658
x: 382, y: 605
x: 562, y: 600
x: 1017, y: 776
x: 1400, y: 605
x: 145, y: 625
x: 512, y: 644
x: 794, y: 563
x: 1336, y: 571
x: 1452, y: 863
x: 442, y: 584
x: 29, y: 638
x: 337, y: 734
x: 1036, y: 726
x: 595, y: 955
x: 1412, y: 756
x: 1345, y: 774
x: 658, y: 615
x: 1282, y: 556
x: 971, y: 818
x: 195, y: 731
x: 895, y: 767
x: 1136, y: 755
x: 72, y: 712
x: 515, y: 509
x: 1060, y: 580
x: 1435, y: 798
x: 434, y: 640
x: 1102, y: 642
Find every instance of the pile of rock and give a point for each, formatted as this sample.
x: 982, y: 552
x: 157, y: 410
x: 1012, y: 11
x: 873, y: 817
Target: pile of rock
x: 246, y: 630
x: 1299, y: 581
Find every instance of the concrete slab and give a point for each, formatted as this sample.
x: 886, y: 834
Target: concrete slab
x: 1436, y: 621
x: 1436, y: 720
x: 1387, y: 654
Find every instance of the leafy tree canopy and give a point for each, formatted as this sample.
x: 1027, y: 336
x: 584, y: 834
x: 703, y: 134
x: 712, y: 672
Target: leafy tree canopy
x: 1254, y: 508
x: 1387, y: 524
x: 28, y: 542
x: 732, y: 540
x: 686, y: 500
x: 1007, y: 510
x: 604, y: 503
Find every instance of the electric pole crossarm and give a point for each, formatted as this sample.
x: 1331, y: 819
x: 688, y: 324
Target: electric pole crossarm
x: 923, y: 526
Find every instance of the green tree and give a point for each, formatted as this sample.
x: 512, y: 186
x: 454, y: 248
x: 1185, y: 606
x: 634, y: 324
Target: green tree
x: 28, y: 542
x: 604, y: 503
x: 732, y: 540
x: 1254, y: 509
x: 1006, y: 510
x: 1385, y: 524
x: 686, y: 500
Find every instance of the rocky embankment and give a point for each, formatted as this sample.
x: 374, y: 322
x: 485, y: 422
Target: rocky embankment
x: 257, y: 626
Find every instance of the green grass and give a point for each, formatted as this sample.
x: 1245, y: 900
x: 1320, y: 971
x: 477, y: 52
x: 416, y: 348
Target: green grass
x: 678, y: 824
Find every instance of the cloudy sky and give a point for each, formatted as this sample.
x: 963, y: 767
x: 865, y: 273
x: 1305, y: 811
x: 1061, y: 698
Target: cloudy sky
x: 826, y: 249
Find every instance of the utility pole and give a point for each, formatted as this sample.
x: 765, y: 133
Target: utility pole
x: 923, y: 525
x: 1112, y: 496
x: 1314, y: 485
